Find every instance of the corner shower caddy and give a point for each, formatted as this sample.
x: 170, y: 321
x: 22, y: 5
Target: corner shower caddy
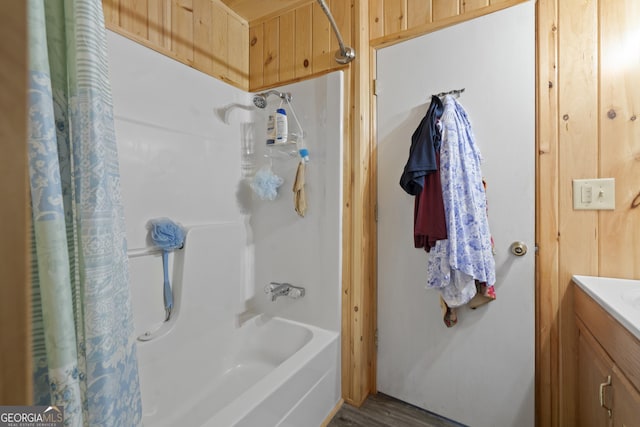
x: 295, y: 145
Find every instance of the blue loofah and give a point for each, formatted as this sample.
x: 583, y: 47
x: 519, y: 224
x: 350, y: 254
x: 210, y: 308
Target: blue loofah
x: 265, y: 184
x: 167, y: 235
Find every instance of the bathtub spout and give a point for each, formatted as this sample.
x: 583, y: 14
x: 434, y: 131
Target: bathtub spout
x: 280, y: 290
x: 283, y: 289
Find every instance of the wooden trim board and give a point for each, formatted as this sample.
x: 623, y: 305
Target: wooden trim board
x: 333, y: 413
x: 15, y: 299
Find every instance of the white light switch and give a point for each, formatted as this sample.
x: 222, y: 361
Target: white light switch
x: 593, y: 194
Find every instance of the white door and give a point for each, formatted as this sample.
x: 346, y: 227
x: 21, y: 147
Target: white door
x: 480, y: 372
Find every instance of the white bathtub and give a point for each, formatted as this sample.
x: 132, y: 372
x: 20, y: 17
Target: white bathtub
x: 271, y: 372
x: 205, y: 370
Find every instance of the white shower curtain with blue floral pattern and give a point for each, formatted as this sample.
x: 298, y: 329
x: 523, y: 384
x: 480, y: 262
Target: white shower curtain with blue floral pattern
x: 83, y: 338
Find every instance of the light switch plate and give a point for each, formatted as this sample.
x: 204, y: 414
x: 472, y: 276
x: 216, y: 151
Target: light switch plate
x: 594, y: 194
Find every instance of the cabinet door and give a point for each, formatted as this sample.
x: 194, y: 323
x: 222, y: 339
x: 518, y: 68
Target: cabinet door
x: 626, y: 401
x: 595, y: 369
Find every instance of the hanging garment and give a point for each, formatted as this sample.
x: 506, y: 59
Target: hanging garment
x: 429, y: 222
x: 425, y: 141
x: 456, y: 263
x: 420, y: 178
x: 485, y: 293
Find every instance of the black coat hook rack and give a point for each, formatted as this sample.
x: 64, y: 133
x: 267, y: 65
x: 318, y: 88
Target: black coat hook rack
x: 455, y: 92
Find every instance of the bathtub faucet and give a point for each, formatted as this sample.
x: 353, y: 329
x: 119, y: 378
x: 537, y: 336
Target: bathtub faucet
x: 283, y: 289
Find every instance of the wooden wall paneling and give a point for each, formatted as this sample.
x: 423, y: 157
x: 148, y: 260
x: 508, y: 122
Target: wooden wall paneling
x: 444, y: 13
x: 395, y: 16
x: 307, y: 41
x: 578, y: 139
x: 15, y: 298
x: 445, y: 9
x: 256, y: 55
x: 167, y: 25
x: 220, y: 41
x: 547, y: 213
x: 182, y: 30
x: 238, y: 42
x: 372, y: 272
x: 198, y: 33
x: 376, y: 19
x: 361, y: 299
x: 469, y: 5
x: 159, y: 22
x: 418, y: 13
x: 287, y: 46
x: 341, y: 11
x: 257, y: 11
x: 111, y: 10
x: 620, y: 136
x: 271, y: 58
x: 346, y: 336
x: 321, y: 32
x: 133, y: 17
x: 303, y: 47
x: 203, y: 35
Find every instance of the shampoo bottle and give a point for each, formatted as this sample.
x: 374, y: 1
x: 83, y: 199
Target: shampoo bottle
x: 281, y: 126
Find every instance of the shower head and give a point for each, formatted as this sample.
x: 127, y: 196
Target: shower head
x: 260, y: 99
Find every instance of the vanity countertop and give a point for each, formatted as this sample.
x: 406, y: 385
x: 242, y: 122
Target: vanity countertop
x: 619, y: 297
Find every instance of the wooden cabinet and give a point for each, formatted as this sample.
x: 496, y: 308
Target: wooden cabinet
x: 627, y: 401
x: 595, y: 374
x: 608, y: 368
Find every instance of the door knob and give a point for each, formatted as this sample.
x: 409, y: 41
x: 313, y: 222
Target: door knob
x: 518, y: 248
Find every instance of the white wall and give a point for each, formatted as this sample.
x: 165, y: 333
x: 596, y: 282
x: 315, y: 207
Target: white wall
x: 188, y: 147
x: 177, y: 160
x: 481, y: 371
x: 303, y: 251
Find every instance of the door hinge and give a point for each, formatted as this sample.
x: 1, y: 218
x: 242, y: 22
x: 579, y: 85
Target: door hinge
x: 375, y: 212
x: 375, y: 87
x: 375, y: 338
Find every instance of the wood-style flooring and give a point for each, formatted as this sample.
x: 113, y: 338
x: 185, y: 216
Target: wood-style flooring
x: 381, y: 410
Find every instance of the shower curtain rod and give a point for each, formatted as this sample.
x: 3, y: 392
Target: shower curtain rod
x: 345, y: 54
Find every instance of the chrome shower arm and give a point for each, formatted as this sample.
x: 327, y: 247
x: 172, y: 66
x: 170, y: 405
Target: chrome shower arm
x: 284, y: 95
x: 260, y: 99
x: 345, y: 54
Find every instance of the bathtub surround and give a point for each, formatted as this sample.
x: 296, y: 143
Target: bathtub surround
x: 266, y: 372
x: 288, y: 248
x: 189, y: 149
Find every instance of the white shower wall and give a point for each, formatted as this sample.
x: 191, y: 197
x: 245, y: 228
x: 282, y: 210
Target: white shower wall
x: 180, y: 159
x: 303, y: 251
x: 176, y: 160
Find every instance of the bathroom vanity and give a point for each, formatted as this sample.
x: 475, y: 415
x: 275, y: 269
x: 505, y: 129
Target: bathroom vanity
x: 608, y: 320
